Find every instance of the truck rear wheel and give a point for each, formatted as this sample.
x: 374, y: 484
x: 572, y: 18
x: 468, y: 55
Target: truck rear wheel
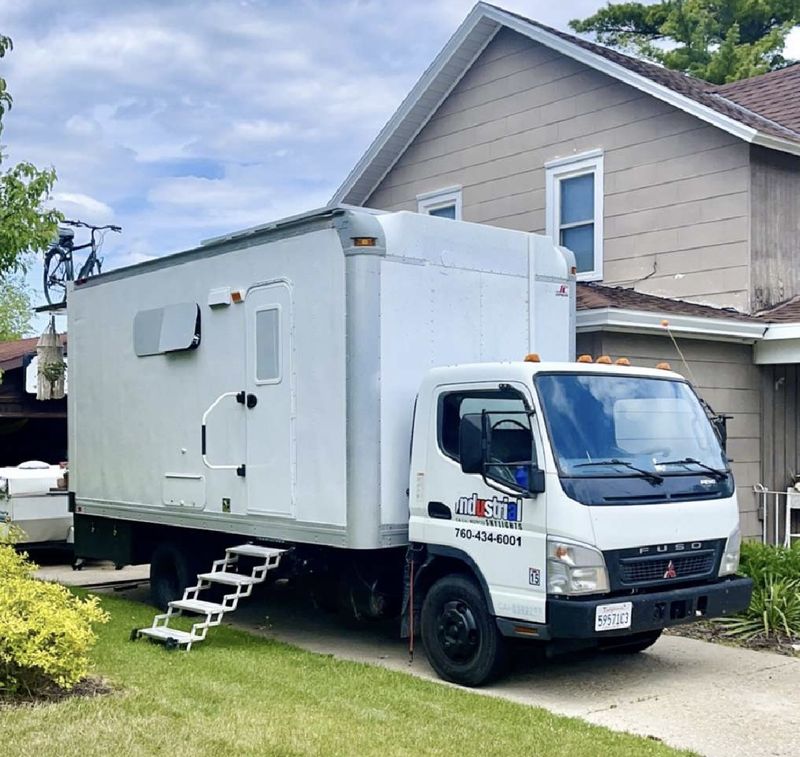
x: 461, y: 638
x: 170, y: 573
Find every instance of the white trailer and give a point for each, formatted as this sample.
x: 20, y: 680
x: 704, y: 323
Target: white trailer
x: 33, y: 499
x: 287, y: 385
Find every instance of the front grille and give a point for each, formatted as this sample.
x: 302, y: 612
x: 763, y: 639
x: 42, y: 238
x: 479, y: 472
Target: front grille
x: 650, y: 569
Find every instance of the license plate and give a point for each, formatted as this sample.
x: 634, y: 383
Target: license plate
x: 610, y: 617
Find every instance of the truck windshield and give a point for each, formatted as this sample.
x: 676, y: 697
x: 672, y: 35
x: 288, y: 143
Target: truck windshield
x: 604, y: 425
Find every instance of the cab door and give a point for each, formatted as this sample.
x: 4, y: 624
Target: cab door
x: 270, y: 456
x: 501, y: 532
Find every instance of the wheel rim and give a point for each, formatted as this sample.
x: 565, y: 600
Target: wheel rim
x: 457, y: 631
x: 56, y: 277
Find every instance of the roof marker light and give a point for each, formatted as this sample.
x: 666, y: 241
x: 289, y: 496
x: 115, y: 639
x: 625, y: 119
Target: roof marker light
x: 533, y: 357
x: 604, y: 360
x: 585, y: 359
x: 664, y: 366
x: 622, y: 361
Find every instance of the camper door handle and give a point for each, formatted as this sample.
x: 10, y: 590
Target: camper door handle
x: 242, y: 398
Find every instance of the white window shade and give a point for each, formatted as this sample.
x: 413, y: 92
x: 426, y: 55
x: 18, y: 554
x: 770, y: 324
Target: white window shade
x: 168, y: 329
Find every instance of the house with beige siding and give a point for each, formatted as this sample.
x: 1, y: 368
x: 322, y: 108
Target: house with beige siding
x: 680, y: 200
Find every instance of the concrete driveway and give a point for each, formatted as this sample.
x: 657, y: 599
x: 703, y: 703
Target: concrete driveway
x: 715, y: 700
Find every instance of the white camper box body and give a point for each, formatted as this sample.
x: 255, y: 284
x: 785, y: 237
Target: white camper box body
x: 332, y: 339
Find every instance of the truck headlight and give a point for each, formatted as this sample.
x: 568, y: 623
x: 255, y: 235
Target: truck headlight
x: 575, y: 569
x: 730, y: 557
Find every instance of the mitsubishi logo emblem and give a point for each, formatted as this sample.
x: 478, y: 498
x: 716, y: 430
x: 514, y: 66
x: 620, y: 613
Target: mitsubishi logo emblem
x: 670, y: 572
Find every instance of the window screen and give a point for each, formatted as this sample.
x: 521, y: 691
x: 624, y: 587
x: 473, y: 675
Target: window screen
x: 576, y: 222
x: 268, y: 364
x: 445, y: 211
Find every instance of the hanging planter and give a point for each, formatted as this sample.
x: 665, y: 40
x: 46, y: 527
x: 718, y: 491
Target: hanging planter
x: 52, y: 368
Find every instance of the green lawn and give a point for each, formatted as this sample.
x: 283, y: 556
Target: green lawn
x: 240, y: 695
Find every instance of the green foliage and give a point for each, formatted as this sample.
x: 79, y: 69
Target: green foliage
x: 46, y: 632
x: 15, y: 308
x: 25, y: 224
x: 716, y: 40
x: 774, y: 610
x: 759, y: 561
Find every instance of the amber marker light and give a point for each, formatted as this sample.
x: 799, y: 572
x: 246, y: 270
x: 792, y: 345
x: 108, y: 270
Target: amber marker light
x: 604, y: 360
x: 622, y: 361
x: 237, y: 296
x: 585, y: 359
x: 364, y: 241
x: 665, y: 323
x: 664, y: 367
x: 533, y: 357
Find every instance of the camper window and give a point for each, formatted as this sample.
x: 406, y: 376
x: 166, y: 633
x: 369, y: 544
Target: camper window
x: 168, y: 329
x: 268, y: 364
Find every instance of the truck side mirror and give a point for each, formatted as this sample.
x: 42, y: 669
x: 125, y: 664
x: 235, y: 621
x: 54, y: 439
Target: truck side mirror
x: 535, y: 480
x: 470, y: 444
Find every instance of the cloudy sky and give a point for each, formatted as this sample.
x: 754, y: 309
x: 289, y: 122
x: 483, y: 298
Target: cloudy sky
x: 181, y: 119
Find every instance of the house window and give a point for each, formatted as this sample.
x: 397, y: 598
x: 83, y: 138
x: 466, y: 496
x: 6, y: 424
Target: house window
x: 575, y: 209
x: 445, y: 203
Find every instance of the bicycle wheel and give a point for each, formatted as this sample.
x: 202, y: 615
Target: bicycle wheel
x: 57, y: 272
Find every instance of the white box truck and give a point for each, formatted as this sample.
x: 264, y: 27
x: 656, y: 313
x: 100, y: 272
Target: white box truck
x: 350, y: 387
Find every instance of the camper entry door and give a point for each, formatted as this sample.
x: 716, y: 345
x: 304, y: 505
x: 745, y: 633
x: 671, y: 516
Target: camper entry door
x: 270, y: 436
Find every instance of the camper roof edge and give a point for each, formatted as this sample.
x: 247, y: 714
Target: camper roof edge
x: 322, y: 218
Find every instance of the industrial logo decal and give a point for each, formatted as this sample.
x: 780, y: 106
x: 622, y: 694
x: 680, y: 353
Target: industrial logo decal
x: 504, y: 512
x: 671, y: 572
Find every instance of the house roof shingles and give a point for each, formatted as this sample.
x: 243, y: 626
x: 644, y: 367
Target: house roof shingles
x: 775, y: 95
x: 591, y: 296
x: 768, y: 103
x: 12, y: 354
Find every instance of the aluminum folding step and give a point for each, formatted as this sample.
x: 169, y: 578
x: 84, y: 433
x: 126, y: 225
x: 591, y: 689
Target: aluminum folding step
x: 229, y: 579
x: 164, y: 633
x: 198, y: 606
x: 254, y: 550
x: 266, y: 559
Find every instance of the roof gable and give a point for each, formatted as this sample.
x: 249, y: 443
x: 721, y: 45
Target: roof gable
x: 693, y: 96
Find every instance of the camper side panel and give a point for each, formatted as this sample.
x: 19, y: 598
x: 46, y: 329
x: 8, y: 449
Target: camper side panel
x: 135, y: 420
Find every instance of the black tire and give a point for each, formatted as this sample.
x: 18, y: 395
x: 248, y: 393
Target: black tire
x: 460, y: 637
x: 635, y: 643
x: 57, y: 271
x: 171, y: 571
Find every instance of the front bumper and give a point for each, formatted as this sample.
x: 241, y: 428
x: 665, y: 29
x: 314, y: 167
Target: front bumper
x: 574, y: 618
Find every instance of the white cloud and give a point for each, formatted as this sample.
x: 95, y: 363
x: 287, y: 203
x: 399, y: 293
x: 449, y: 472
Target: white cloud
x: 188, y: 119
x: 77, y: 205
x: 792, y: 49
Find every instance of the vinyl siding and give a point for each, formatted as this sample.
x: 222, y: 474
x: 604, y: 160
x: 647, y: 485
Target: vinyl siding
x: 676, y: 191
x: 775, y: 227
x: 725, y: 378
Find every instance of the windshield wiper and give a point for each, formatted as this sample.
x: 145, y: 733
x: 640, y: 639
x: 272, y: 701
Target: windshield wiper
x: 651, y: 476
x: 716, y: 472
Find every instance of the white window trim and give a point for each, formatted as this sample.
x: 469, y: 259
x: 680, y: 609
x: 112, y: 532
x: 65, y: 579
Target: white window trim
x: 440, y: 198
x: 565, y: 168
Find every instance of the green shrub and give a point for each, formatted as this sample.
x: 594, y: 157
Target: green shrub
x: 45, y: 631
x: 760, y: 561
x: 774, y: 610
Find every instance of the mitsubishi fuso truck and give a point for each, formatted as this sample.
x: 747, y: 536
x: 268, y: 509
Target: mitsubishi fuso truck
x: 386, y: 407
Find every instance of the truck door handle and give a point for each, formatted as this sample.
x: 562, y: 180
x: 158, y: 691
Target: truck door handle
x: 439, y: 510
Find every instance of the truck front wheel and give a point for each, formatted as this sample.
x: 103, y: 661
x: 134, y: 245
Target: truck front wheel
x: 460, y: 637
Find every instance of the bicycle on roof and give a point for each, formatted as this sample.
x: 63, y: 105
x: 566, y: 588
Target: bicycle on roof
x: 59, y: 262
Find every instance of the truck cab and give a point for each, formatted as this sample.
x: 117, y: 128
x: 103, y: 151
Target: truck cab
x: 585, y: 504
